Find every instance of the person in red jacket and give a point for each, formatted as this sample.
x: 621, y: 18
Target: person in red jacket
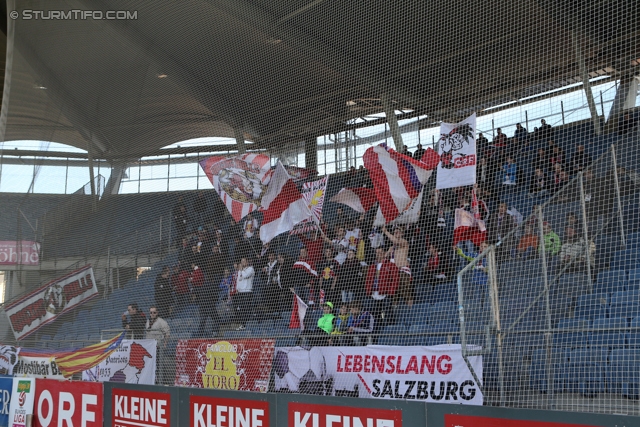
x: 381, y: 285
x: 180, y: 282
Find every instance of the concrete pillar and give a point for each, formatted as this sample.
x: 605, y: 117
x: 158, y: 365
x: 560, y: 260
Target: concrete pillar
x: 586, y: 85
x: 239, y: 140
x: 390, y: 113
x: 625, y: 99
x: 311, y: 153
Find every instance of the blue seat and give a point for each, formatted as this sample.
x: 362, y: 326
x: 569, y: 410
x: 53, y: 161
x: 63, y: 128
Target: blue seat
x: 393, y: 335
x: 439, y: 333
x: 592, y: 306
x: 610, y: 281
x: 538, y: 379
x: 585, y: 371
x: 623, y: 372
x: 572, y: 284
x: 625, y: 304
x: 634, y: 279
x: 570, y: 334
x: 633, y: 336
x: 612, y: 334
x: 626, y: 258
x: 418, y: 334
x: 445, y: 311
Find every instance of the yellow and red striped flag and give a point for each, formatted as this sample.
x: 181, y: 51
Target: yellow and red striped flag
x: 86, y: 358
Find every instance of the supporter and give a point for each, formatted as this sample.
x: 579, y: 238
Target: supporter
x: 500, y: 140
x: 350, y: 278
x: 242, y: 295
x: 539, y: 184
x: 158, y: 329
x: 560, y: 178
x: 324, y: 326
x: 200, y: 208
x: 339, y: 244
x: 328, y: 275
x: 499, y: 225
x: 353, y: 235
x: 399, y: 255
x: 546, y: 131
x: 406, y: 152
x: 580, y: 160
x: 277, y: 289
x: 304, y: 275
x: 340, y: 219
x: 541, y: 161
x: 481, y: 143
x: 557, y: 156
x: 573, y: 254
x: 180, y: 219
x: 627, y: 124
x: 552, y: 243
x: 250, y: 234
x: 227, y: 284
x: 573, y: 222
x: 207, y: 296
x: 214, y: 263
x: 435, y: 266
x: 510, y: 169
x: 180, y: 282
x: 163, y: 292
x: 360, y: 323
x: 419, y: 152
x: 520, y: 133
x: 381, y: 286
x: 527, y: 245
x: 341, y: 320
x: 136, y: 321
x: 314, y: 246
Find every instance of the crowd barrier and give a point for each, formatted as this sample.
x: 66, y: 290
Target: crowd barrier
x: 87, y: 404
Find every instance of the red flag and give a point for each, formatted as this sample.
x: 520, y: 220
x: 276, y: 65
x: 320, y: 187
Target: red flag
x: 298, y: 313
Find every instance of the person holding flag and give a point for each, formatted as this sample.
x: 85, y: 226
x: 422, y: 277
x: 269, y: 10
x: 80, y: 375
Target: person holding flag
x: 398, y: 254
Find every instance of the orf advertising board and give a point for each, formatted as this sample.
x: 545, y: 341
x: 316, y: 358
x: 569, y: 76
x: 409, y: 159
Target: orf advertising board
x: 206, y: 411
x: 43, y: 305
x: 227, y: 365
x: 434, y: 374
x: 308, y: 415
x: 140, y: 408
x: 66, y: 403
x: 19, y: 253
x: 22, y: 398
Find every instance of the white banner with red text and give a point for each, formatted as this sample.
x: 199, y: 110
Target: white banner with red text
x: 43, y: 305
x: 435, y: 374
x: 134, y: 362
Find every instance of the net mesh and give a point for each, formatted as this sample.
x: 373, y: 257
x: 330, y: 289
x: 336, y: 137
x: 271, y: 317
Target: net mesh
x: 543, y: 309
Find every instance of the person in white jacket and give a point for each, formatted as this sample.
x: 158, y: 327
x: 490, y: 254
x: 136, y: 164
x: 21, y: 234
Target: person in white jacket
x: 242, y: 295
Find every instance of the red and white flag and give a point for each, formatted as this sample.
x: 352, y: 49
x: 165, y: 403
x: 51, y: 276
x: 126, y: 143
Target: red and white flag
x: 397, y: 179
x: 306, y: 267
x: 282, y: 205
x: 298, y: 313
x: 240, y: 181
x: 360, y: 199
x: 468, y: 225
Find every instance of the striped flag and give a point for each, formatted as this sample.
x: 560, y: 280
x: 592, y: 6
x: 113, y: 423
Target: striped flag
x: 77, y: 361
x: 359, y: 199
x: 240, y: 181
x: 397, y: 179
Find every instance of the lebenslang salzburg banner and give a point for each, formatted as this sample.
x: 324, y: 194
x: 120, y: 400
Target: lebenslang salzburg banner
x: 434, y: 374
x: 224, y: 364
x: 45, y: 304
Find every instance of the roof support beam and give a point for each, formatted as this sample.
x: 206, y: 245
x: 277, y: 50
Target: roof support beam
x: 239, y: 140
x: 390, y: 113
x: 586, y: 85
x: 625, y: 98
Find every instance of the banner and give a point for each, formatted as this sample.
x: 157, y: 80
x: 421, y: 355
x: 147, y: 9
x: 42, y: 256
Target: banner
x: 436, y: 374
x: 19, y: 253
x: 308, y: 415
x: 8, y: 359
x: 68, y: 403
x: 230, y: 365
x: 299, y: 174
x: 208, y: 411
x: 23, y: 392
x: 457, y: 149
x: 313, y: 193
x: 408, y: 216
x: 240, y: 181
x: 136, y: 408
x: 43, y: 305
x: 40, y: 366
x: 134, y: 363
x: 6, y: 384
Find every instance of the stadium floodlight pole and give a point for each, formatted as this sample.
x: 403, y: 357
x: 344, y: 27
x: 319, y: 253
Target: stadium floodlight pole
x: 390, y: 113
x: 617, y: 185
x: 585, y: 231
x: 548, y: 334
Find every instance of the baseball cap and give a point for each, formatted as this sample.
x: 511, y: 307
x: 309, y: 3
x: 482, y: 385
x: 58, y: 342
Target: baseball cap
x: 329, y: 303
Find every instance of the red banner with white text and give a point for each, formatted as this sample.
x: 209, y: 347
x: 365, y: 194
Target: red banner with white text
x: 68, y: 403
x: 19, y: 253
x: 225, y: 364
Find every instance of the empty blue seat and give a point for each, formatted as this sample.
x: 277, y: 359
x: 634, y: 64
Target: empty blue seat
x: 610, y: 281
x: 633, y: 336
x: 592, y: 306
x: 393, y: 335
x: 585, y: 371
x: 634, y: 279
x: 626, y: 258
x: 612, y: 334
x: 418, y: 334
x: 445, y: 311
x: 538, y: 378
x: 572, y: 284
x: 570, y: 334
x: 625, y: 304
x: 623, y: 372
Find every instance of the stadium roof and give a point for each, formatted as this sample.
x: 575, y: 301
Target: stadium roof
x: 282, y: 70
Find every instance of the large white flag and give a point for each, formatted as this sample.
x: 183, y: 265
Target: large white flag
x: 457, y: 150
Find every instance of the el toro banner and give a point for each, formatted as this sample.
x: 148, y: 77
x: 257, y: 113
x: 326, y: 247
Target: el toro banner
x: 229, y: 365
x: 43, y: 305
x: 434, y: 374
